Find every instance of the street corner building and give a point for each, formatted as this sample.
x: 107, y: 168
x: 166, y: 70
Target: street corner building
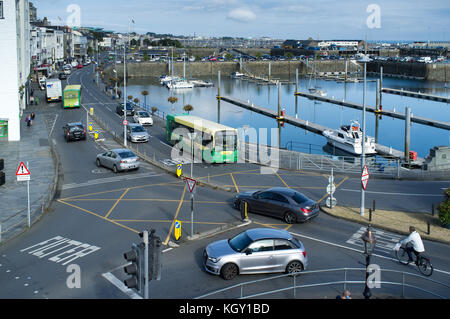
x: 15, y: 68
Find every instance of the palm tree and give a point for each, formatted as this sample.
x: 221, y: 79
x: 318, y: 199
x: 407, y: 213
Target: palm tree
x: 188, y: 108
x: 145, y: 93
x: 154, y: 109
x: 130, y: 97
x: 136, y: 100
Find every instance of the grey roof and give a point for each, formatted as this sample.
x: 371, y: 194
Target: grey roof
x: 261, y: 233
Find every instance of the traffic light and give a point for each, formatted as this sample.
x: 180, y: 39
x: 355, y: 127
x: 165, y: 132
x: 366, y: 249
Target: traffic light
x: 2, y: 174
x: 136, y: 268
x: 154, y: 262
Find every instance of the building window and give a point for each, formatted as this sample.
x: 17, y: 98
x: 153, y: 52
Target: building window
x: 1, y: 10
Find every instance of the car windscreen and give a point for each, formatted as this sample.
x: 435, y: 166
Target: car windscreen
x: 299, y: 198
x: 239, y: 242
x: 76, y: 128
x: 137, y: 129
x: 144, y: 114
x: 126, y: 154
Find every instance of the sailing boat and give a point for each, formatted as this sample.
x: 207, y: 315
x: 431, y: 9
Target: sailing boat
x: 315, y: 90
x: 181, y: 83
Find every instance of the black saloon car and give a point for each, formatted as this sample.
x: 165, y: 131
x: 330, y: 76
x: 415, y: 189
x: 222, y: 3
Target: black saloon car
x: 74, y: 131
x: 130, y: 109
x: 279, y: 202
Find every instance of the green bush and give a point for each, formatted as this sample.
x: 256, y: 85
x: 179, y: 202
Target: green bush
x: 444, y: 209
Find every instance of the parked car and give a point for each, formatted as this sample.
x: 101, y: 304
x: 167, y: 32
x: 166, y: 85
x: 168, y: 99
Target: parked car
x: 80, y: 66
x: 62, y: 76
x: 130, y: 109
x: 257, y: 250
x: 118, y: 160
x: 137, y: 133
x: 143, y: 118
x: 74, y: 131
x: 279, y: 202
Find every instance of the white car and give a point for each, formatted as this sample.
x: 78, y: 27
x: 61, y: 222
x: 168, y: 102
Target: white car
x: 143, y: 118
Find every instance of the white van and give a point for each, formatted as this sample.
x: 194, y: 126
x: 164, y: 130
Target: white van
x: 53, y: 90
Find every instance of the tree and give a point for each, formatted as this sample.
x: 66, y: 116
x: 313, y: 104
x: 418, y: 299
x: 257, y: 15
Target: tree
x: 188, y: 108
x: 136, y: 100
x: 154, y: 109
x: 130, y: 97
x: 145, y: 93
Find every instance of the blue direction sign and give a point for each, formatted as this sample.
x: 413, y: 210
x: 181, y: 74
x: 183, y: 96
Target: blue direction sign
x: 179, y: 166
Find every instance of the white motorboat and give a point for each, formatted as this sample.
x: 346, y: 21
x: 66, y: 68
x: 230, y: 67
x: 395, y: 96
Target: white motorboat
x: 349, y: 139
x: 182, y: 84
x: 237, y: 75
x: 201, y: 83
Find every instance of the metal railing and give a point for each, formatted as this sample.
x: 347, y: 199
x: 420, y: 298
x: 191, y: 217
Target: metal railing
x: 241, y: 287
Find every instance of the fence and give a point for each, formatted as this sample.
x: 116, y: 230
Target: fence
x: 282, y: 287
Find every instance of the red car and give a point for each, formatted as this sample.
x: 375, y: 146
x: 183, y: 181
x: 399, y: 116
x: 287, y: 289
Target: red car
x: 79, y: 66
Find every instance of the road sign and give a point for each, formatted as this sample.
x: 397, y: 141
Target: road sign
x: 365, y: 177
x: 179, y: 167
x: 22, y: 170
x: 177, y: 229
x: 331, y: 188
x: 191, y: 183
x: 331, y: 202
x: 125, y: 122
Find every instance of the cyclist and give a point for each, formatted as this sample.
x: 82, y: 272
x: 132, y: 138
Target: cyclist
x: 416, y: 245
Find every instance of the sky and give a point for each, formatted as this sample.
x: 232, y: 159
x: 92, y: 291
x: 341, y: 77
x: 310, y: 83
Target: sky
x: 411, y: 20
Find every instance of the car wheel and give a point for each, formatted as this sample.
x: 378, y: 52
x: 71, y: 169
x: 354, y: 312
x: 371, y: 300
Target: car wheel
x: 294, y: 267
x: 115, y: 169
x: 98, y: 163
x: 229, y: 271
x: 289, y: 218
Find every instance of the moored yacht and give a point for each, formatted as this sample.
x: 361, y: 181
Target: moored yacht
x: 236, y: 75
x: 181, y: 84
x: 349, y: 139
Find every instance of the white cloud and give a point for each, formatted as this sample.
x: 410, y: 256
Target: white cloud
x: 241, y: 15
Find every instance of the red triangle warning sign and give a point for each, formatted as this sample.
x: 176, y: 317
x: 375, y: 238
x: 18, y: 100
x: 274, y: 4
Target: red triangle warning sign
x: 22, y: 170
x: 191, y: 183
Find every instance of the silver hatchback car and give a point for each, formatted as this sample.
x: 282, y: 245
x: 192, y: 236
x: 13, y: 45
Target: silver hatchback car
x: 137, y: 133
x: 257, y: 250
x: 118, y: 160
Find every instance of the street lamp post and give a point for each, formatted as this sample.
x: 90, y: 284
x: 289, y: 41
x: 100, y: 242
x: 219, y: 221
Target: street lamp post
x: 369, y: 241
x: 364, y: 60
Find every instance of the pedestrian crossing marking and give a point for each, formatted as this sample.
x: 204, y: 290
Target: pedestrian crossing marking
x: 385, y: 240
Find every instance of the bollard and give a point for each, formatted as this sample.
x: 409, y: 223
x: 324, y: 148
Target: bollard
x: 91, y: 126
x: 432, y: 209
x: 96, y: 135
x: 370, y: 214
x: 428, y: 228
x: 373, y: 205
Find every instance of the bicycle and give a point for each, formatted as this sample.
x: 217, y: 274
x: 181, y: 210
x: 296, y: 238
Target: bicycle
x: 422, y: 261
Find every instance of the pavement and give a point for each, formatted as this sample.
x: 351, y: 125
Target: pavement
x: 35, y: 152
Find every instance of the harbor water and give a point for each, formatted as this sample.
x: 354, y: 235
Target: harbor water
x: 391, y: 132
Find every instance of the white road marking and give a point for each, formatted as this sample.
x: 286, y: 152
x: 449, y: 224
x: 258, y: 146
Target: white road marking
x: 108, y: 180
x: 357, y: 250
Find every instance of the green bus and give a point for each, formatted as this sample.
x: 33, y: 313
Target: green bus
x: 218, y: 143
x: 72, y: 96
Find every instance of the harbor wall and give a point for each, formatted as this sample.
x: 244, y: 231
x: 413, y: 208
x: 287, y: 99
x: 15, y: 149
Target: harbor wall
x: 432, y: 72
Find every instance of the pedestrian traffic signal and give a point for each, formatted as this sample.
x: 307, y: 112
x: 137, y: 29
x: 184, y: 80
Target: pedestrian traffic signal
x: 135, y: 269
x: 2, y: 174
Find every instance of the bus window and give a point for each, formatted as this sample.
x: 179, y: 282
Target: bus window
x: 225, y: 141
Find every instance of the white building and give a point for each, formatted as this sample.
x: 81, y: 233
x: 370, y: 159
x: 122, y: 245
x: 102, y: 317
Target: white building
x: 15, y: 58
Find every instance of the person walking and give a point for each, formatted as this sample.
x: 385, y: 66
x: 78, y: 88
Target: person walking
x: 28, y: 120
